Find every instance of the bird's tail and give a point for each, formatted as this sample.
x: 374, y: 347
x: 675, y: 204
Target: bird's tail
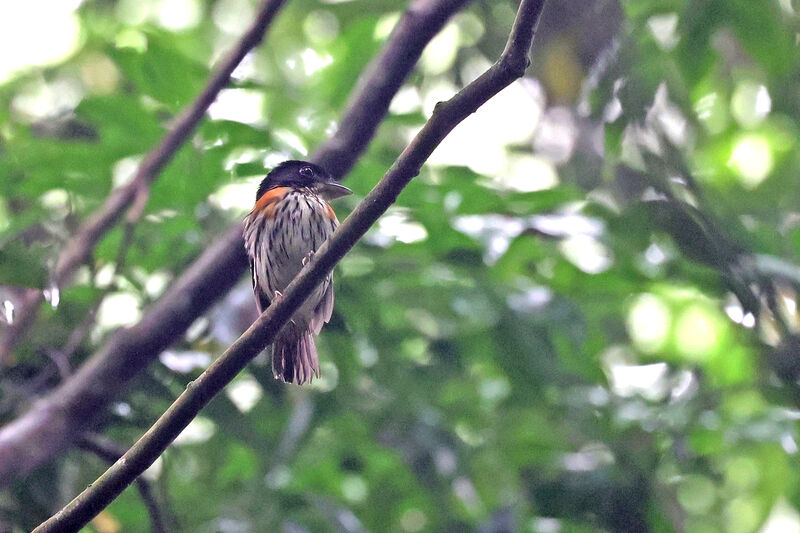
x: 294, y: 356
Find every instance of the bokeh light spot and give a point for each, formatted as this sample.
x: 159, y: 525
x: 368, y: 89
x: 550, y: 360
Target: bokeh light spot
x: 696, y: 494
x: 648, y: 323
x: 244, y: 392
x: 413, y: 520
x: 36, y: 33
x: 663, y: 28
x: 742, y: 473
x: 118, y: 309
x: 354, y: 488
x: 321, y: 27
x: 697, y: 332
x: 742, y: 515
x: 440, y: 53
x: 750, y: 103
x: 783, y: 518
x: 586, y: 253
x: 528, y: 174
x: 178, y: 15
x: 752, y: 160
x: 199, y: 430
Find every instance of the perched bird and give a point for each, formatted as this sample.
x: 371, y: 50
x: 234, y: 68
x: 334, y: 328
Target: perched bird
x: 290, y: 221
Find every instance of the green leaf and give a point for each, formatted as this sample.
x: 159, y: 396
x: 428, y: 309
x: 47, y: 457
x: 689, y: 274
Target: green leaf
x: 22, y: 266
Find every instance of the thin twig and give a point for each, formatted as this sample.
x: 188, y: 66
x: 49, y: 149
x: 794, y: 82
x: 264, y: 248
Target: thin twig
x: 51, y: 422
x: 61, y: 357
x: 79, y: 248
x: 446, y: 116
x: 47, y: 427
x: 110, y: 452
x: 80, y: 333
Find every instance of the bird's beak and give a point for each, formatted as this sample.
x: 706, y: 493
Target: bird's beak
x: 331, y: 190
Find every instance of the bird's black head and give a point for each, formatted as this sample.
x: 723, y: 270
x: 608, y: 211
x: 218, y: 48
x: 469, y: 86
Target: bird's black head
x: 302, y: 174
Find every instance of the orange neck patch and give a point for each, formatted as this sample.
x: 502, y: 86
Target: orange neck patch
x: 270, y: 197
x: 269, y: 201
x: 329, y: 211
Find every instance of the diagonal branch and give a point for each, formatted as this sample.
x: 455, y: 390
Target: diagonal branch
x: 110, y: 452
x: 53, y: 421
x: 198, y: 393
x: 384, y: 75
x: 79, y: 248
x: 50, y: 424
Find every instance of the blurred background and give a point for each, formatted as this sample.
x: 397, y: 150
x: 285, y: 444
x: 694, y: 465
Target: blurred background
x: 580, y: 317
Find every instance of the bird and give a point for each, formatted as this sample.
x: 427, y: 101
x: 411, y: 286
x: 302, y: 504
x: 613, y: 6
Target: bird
x: 289, y: 222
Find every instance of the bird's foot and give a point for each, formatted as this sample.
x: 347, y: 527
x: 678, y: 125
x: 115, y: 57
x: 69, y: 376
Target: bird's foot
x: 309, y: 256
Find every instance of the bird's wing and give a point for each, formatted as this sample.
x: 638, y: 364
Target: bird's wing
x: 324, y: 310
x: 258, y: 222
x: 262, y: 301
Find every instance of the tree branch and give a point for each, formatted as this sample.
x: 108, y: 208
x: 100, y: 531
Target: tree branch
x: 79, y: 248
x: 384, y: 75
x: 198, y: 393
x: 52, y: 422
x: 110, y: 452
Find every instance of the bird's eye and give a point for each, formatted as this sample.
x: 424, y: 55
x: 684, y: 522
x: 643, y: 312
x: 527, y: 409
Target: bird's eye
x: 306, y: 172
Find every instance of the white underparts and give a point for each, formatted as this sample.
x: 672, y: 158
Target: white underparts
x: 280, y: 245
